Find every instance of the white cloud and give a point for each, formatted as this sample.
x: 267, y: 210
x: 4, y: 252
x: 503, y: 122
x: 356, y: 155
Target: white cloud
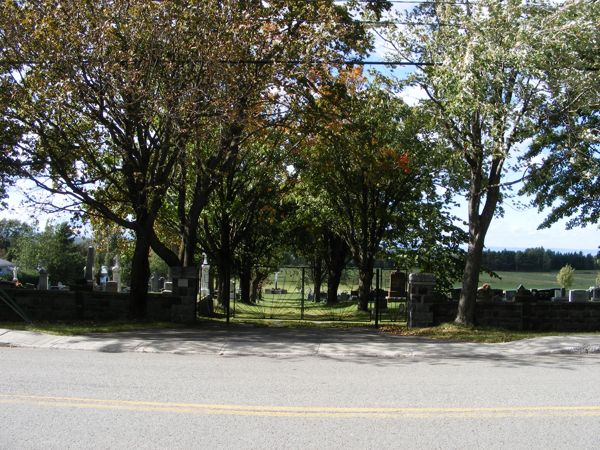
x: 413, y: 95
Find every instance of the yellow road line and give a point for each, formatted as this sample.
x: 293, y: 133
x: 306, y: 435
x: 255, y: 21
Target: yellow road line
x: 298, y: 411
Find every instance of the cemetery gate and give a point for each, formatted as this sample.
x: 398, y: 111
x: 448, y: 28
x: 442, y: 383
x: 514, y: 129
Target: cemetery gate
x: 288, y: 293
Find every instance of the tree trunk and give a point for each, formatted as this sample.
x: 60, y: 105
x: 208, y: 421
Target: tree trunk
x: 224, y: 285
x: 224, y: 262
x: 245, y: 284
x: 478, y: 228
x: 140, y: 273
x: 337, y: 251
x: 333, y: 283
x: 468, y: 295
x: 257, y: 281
x: 365, y: 275
x: 317, y: 272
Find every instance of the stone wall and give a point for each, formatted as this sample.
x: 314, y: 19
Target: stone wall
x: 84, y: 305
x: 526, y: 316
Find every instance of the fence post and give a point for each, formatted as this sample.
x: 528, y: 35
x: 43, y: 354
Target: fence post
x: 376, y: 298
x: 302, y: 294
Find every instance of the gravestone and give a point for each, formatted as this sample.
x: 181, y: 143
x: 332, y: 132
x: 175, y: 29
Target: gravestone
x: 111, y: 286
x: 523, y: 294
x: 578, y: 296
x: 168, y: 287
x: 484, y: 293
x: 383, y: 303
x: 397, y: 285
x: 43, y: 281
x: 89, y: 266
x: 204, y: 278
x: 543, y: 294
x: 116, y: 274
x: 343, y: 297
x: 509, y: 295
x: 595, y: 294
x: 103, y: 276
x: 154, y: 283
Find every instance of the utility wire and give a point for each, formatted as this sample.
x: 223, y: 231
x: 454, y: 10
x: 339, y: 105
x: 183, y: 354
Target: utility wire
x: 296, y: 62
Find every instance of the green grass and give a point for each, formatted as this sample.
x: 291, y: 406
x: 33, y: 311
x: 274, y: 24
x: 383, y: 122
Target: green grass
x: 290, y: 279
x: 78, y: 328
x: 448, y: 331
x: 289, y: 307
x: 583, y: 279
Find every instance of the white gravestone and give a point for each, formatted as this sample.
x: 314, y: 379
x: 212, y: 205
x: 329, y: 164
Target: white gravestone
x: 578, y: 296
x: 204, y: 278
x: 116, y: 274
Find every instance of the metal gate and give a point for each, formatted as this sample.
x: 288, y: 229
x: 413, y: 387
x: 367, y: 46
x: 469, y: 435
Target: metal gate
x: 288, y: 294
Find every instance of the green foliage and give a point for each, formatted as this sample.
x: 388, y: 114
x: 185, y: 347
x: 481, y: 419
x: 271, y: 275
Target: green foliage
x: 536, y: 260
x: 10, y: 134
x: 11, y: 230
x: 158, y: 266
x: 53, y: 249
x: 366, y: 166
x: 483, y: 68
x: 565, y: 180
x: 565, y: 276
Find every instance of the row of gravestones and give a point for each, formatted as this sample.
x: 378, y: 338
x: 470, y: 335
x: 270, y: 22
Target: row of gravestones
x: 522, y: 294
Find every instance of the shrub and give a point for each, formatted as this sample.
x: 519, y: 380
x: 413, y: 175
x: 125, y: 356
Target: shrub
x: 565, y: 276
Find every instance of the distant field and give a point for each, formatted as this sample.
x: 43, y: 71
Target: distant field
x: 537, y: 280
x: 290, y: 279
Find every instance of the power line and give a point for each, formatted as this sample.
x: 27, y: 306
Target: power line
x: 413, y: 2
x: 297, y: 62
x: 264, y: 62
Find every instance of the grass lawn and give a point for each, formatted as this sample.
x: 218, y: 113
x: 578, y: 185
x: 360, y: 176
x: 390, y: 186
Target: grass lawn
x: 449, y: 331
x: 291, y: 279
x: 84, y: 327
x: 289, y: 307
x: 583, y: 279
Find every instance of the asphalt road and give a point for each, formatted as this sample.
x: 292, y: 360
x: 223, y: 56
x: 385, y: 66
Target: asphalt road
x: 56, y: 399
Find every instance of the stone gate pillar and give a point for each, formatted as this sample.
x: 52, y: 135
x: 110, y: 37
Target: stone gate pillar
x: 185, y: 286
x: 421, y: 291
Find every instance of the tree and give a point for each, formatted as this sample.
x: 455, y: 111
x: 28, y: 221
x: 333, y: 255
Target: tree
x: 53, y: 249
x: 270, y: 46
x: 101, y: 96
x: 114, y: 98
x: 365, y: 155
x: 480, y: 68
x: 10, y: 132
x: 565, y: 276
x: 11, y: 231
x: 566, y: 177
x: 242, y: 222
x: 568, y: 180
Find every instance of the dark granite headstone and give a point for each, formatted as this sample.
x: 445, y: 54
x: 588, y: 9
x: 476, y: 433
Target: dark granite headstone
x: 397, y: 285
